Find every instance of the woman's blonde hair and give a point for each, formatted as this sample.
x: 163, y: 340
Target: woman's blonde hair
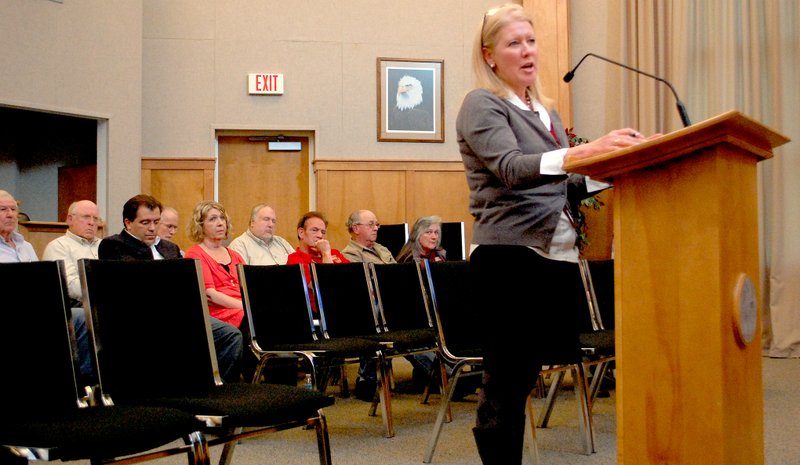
x: 199, y: 217
x: 492, y: 22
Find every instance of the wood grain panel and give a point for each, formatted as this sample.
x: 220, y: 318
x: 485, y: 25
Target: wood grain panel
x: 250, y: 174
x: 179, y: 183
x: 397, y: 191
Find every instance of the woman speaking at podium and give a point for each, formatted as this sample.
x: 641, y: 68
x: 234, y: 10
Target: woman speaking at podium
x: 524, y: 267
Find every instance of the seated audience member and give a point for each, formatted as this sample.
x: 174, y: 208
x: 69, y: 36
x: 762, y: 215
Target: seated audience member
x: 425, y: 241
x: 168, y: 225
x: 312, y: 230
x: 363, y: 227
x: 209, y: 226
x: 138, y: 241
x: 13, y: 248
x: 79, y: 241
x: 259, y: 245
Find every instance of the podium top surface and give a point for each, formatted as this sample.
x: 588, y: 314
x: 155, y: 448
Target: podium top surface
x: 731, y: 127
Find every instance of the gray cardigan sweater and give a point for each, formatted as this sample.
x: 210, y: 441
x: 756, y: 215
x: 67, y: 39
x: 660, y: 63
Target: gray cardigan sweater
x: 502, y: 147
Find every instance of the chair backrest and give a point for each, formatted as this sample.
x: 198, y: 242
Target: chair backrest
x: 345, y: 299
x: 393, y: 236
x: 453, y: 240
x: 598, y: 281
x: 453, y: 307
x: 401, y: 296
x: 36, y: 351
x: 150, y: 324
x: 276, y: 303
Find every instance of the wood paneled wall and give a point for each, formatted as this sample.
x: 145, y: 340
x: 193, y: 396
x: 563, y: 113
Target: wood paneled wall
x: 396, y: 191
x: 180, y: 183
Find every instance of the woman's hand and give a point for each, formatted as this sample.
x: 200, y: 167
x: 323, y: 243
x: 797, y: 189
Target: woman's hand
x: 614, y: 140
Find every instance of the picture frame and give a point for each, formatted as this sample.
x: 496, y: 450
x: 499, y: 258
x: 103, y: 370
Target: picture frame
x: 410, y: 100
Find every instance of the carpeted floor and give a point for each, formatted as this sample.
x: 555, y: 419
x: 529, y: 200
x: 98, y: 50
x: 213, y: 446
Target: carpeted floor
x: 357, y: 439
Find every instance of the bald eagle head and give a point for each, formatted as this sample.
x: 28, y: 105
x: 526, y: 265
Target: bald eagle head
x: 409, y: 92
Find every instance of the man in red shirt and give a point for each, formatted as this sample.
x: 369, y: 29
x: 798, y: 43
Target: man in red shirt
x: 314, y: 247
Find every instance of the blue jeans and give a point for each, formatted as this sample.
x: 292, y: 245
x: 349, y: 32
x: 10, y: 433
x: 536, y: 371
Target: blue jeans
x: 229, y: 344
x: 82, y: 342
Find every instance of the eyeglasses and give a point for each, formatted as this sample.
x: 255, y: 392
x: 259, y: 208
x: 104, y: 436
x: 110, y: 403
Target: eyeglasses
x: 371, y: 224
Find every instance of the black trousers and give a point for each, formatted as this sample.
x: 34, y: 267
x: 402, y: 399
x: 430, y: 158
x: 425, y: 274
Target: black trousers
x: 529, y: 307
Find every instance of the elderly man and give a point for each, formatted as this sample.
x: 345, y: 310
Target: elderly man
x: 363, y: 227
x: 139, y: 241
x: 80, y: 241
x: 13, y: 248
x: 168, y: 225
x: 259, y: 245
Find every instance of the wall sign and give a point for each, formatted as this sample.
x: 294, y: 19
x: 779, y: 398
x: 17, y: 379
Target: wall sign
x: 265, y: 84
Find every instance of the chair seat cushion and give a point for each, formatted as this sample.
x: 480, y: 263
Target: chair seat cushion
x: 602, y: 341
x: 408, y: 339
x: 99, y: 432
x: 345, y: 347
x: 247, y: 404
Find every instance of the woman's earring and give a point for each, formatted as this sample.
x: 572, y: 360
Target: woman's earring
x: 491, y: 65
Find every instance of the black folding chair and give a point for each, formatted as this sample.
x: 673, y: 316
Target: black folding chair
x: 45, y: 418
x: 458, y: 332
x: 280, y: 320
x: 346, y: 304
x: 405, y: 318
x: 153, y: 345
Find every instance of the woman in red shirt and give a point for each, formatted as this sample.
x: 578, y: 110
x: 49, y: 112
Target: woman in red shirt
x: 209, y: 226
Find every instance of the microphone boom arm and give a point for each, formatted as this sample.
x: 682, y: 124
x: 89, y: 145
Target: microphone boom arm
x: 681, y: 108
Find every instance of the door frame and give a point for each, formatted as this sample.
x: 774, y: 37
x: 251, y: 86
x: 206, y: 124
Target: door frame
x: 270, y: 131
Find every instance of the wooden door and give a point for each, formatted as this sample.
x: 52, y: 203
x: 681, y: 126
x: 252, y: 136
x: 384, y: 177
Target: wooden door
x: 250, y: 174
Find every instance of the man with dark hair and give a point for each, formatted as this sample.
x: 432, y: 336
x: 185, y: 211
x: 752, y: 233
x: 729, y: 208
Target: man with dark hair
x: 139, y: 241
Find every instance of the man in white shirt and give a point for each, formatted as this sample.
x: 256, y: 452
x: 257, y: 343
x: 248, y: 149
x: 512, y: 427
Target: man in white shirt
x: 259, y: 245
x: 13, y: 247
x: 79, y: 241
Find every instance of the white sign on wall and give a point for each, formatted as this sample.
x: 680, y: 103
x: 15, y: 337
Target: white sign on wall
x: 265, y: 84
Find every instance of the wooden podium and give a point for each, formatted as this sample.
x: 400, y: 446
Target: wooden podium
x: 688, y: 345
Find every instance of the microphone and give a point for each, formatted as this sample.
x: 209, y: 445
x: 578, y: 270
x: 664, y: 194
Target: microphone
x: 681, y: 109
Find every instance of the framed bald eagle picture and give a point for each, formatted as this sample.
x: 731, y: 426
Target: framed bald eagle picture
x: 410, y: 100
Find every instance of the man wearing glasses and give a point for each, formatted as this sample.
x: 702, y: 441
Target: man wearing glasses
x: 168, y: 225
x: 363, y: 227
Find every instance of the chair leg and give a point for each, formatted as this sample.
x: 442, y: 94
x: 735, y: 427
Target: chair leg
x: 385, y: 395
x: 440, y: 417
x: 323, y: 440
x: 530, y: 433
x: 584, y: 413
x: 227, y: 450
x: 199, y: 454
x: 555, y: 386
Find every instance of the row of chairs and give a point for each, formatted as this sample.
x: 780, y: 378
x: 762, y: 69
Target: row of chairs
x: 459, y: 328
x: 402, y: 309
x: 365, y: 311
x: 157, y: 376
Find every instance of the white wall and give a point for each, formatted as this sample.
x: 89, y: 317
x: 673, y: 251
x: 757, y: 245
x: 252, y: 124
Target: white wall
x: 197, y: 55
x: 80, y: 58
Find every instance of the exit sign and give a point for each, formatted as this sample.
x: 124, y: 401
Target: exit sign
x: 265, y: 84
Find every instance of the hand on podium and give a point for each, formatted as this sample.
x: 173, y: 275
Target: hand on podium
x: 614, y: 140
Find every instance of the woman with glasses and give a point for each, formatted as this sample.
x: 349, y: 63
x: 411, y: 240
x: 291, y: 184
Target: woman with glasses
x: 209, y: 226
x: 514, y: 145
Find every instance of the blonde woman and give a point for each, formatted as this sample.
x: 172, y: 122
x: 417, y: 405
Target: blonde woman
x: 209, y: 226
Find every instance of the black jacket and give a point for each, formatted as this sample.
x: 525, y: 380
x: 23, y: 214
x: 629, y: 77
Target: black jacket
x: 124, y: 246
